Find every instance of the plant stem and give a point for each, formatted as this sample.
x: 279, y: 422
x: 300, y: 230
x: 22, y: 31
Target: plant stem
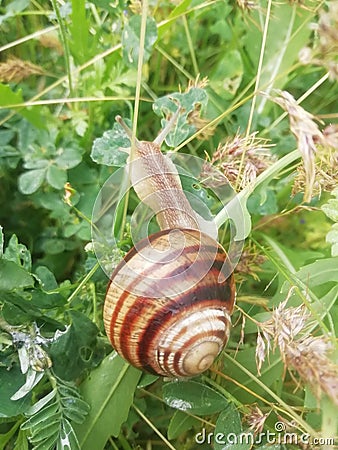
x: 241, y: 198
x: 65, y: 46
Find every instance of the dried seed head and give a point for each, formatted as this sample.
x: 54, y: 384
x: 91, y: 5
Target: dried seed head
x: 51, y: 40
x: 308, y: 356
x: 14, y: 69
x: 310, y: 139
x: 288, y: 329
x: 257, y: 157
x: 197, y: 83
x: 256, y: 419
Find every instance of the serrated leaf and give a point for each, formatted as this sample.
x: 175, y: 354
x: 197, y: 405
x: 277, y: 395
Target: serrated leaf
x: 13, y: 276
x: 30, y: 181
x: 107, y: 150
x: 131, y: 39
x: 193, y: 397
x: 109, y: 391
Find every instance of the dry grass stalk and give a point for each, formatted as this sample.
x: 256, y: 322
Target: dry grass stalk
x: 228, y: 156
x: 16, y: 70
x: 288, y: 329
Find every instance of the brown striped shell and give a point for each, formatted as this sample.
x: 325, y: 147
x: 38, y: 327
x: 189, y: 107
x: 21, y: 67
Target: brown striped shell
x: 168, y: 304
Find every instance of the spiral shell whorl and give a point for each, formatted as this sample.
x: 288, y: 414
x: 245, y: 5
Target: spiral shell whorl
x: 167, y: 318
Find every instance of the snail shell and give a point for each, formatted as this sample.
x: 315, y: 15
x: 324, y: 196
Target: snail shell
x: 168, y: 307
x: 168, y: 304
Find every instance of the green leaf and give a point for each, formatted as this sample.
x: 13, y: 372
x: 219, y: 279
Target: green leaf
x: 331, y: 209
x: 177, y: 11
x: 107, y: 150
x: 147, y: 379
x: 79, y: 28
x: 47, y: 429
x: 34, y: 409
x: 13, y: 276
x: 74, y: 350
x: 8, y: 97
x: 227, y: 434
x: 180, y: 423
x: 319, y: 272
x: 227, y: 76
x: 263, y: 202
x: 193, y: 397
x: 10, y: 381
x: 332, y: 238
x: 195, y: 98
x: 1, y: 242
x: 56, y: 177
x: 70, y: 157
x: 38, y: 419
x: 30, y: 181
x: 32, y: 379
x: 67, y: 439
x: 131, y: 39
x: 109, y: 391
x: 18, y: 253
x: 282, y: 48
x: 4, y: 438
x: 46, y: 278
x: 21, y: 442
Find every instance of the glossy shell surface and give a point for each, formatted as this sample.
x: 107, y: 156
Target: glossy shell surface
x: 168, y: 305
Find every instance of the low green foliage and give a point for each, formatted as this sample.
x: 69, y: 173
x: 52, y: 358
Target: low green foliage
x: 67, y: 69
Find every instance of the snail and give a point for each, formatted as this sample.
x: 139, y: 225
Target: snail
x: 169, y: 301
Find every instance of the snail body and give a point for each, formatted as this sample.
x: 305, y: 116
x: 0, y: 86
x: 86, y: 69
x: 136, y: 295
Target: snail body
x: 168, y: 304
